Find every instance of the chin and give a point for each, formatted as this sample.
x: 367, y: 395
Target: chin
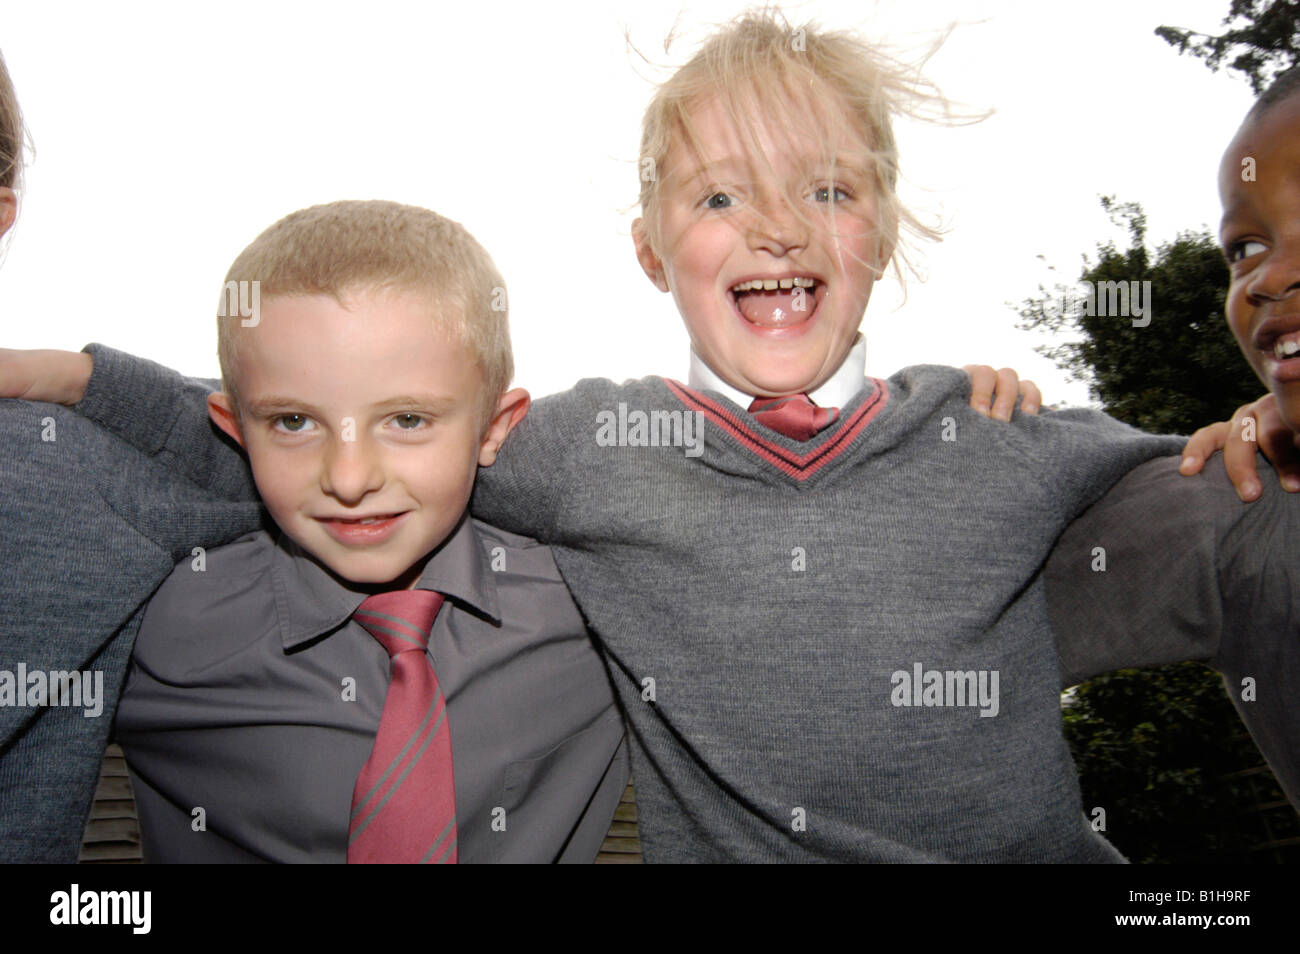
x: 1290, y: 411
x: 785, y: 379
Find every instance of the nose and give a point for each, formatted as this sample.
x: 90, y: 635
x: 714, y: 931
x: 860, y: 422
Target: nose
x: 1278, y: 277
x: 351, y: 469
x: 776, y: 227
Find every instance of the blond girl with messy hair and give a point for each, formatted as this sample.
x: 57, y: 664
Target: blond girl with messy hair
x: 780, y: 136
x: 826, y: 88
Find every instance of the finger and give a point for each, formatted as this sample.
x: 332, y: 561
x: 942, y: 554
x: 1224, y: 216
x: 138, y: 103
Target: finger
x: 1281, y: 451
x: 1240, y: 455
x: 1277, y: 442
x: 1203, y: 445
x: 1031, y: 399
x: 1004, y: 401
x: 983, y: 379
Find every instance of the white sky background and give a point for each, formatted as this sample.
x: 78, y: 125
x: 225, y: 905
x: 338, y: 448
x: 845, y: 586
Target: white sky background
x: 167, y: 136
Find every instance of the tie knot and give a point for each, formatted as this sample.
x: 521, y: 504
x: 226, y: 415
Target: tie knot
x: 794, y: 415
x: 400, y: 620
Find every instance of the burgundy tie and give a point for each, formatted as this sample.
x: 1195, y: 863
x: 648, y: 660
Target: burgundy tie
x: 795, y: 416
x: 404, y: 802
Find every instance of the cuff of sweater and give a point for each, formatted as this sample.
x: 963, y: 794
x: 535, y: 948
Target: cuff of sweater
x: 134, y: 398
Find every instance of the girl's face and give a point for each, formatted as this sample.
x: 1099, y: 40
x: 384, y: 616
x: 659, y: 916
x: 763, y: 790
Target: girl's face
x: 1259, y: 183
x: 727, y: 218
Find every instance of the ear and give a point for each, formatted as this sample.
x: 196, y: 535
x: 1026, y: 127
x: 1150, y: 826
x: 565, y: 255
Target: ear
x: 512, y: 407
x: 8, y: 208
x: 645, y: 254
x: 222, y: 411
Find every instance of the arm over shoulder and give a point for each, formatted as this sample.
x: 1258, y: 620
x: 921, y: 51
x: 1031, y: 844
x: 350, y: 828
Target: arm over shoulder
x: 1166, y: 568
x: 542, y: 460
x: 165, y: 415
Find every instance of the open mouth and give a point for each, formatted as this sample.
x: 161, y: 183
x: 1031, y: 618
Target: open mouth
x: 1287, y: 346
x: 777, y: 302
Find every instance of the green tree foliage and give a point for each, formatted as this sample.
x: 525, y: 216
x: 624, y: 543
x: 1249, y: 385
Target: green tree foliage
x: 1180, y: 371
x: 1262, y: 39
x: 1161, y: 750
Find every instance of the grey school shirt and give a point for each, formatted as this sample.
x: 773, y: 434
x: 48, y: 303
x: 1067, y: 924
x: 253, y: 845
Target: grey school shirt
x: 805, y: 636
x: 253, y: 701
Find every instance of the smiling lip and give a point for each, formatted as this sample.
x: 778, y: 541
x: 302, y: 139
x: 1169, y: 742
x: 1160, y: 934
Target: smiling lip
x: 1279, y: 370
x: 1285, y: 371
x: 1273, y: 328
x: 350, y: 531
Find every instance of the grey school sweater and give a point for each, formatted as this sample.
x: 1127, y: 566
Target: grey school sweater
x: 92, y: 526
x: 836, y: 650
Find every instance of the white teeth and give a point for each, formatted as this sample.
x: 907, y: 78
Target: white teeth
x: 772, y: 284
x: 1285, y: 349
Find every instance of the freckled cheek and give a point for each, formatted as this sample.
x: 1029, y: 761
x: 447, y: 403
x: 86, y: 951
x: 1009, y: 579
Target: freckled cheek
x: 284, y: 481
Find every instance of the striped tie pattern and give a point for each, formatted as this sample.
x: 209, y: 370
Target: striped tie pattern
x: 404, y: 801
x: 795, y: 416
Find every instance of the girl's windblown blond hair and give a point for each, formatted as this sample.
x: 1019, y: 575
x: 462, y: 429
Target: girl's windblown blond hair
x: 760, y: 65
x: 12, y: 136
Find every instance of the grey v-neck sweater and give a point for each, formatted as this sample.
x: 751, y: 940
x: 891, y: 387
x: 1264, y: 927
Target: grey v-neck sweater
x: 781, y: 620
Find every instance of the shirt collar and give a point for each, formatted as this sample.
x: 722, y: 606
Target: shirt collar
x: 310, y: 601
x: 840, y: 388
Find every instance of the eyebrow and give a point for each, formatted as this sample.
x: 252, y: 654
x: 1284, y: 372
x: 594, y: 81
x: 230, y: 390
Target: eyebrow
x: 277, y: 404
x: 742, y: 163
x: 1230, y: 215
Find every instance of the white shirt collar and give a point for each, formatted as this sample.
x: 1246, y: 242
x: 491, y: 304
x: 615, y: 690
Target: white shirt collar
x: 840, y: 388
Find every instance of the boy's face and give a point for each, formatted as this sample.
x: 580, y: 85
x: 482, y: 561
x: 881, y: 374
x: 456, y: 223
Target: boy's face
x: 363, y: 427
x: 1259, y: 183
x: 724, y: 220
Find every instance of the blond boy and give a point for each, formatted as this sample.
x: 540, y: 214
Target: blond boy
x: 367, y: 387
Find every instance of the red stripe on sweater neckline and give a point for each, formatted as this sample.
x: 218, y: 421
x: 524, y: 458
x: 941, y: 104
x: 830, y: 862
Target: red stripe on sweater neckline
x: 825, y: 447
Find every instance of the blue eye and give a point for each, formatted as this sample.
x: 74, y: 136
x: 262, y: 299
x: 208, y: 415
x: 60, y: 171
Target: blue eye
x: 829, y: 194
x: 719, y: 200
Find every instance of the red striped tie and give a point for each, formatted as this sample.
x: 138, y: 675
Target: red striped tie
x: 795, y: 415
x: 404, y: 802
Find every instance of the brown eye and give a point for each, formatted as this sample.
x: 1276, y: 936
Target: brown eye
x: 1237, y: 251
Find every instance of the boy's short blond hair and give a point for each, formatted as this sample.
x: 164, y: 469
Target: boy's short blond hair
x: 350, y: 246
x: 762, y: 66
x: 11, y: 132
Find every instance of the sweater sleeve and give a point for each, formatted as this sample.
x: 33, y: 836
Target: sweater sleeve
x: 1166, y: 568
x: 525, y: 490
x: 1083, y: 453
x: 165, y: 415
